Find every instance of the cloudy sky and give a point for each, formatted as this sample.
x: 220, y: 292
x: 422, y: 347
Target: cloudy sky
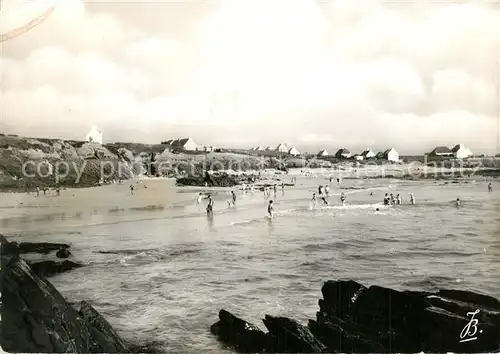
x: 312, y: 73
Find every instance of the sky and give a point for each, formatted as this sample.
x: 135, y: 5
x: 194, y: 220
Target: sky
x: 241, y: 73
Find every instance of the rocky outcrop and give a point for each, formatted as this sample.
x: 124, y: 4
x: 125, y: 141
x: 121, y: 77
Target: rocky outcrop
x: 50, y: 268
x: 30, y: 247
x: 210, y: 180
x: 37, y: 319
x: 354, y: 318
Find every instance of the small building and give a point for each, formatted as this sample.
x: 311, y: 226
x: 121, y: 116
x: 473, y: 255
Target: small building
x: 368, y: 154
x: 442, y: 151
x: 167, y: 142
x: 461, y: 152
x: 94, y: 136
x: 282, y: 148
x: 208, y: 148
x: 293, y: 151
x: 343, y: 154
x: 323, y: 153
x: 358, y: 157
x: 391, y: 155
x: 186, y: 144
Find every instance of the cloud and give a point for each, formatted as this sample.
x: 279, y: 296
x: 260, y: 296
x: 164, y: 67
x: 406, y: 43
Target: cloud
x: 339, y: 73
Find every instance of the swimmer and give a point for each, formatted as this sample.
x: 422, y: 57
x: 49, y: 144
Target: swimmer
x: 412, y: 198
x: 393, y: 201
x: 270, y: 209
x: 234, y: 197
x: 275, y: 188
x: 377, y: 209
x: 342, y: 198
x: 398, y: 199
x: 132, y: 189
x: 314, y: 197
x: 490, y: 188
x: 386, y: 199
x: 371, y: 193
x: 228, y: 203
x: 457, y: 202
x: 327, y: 190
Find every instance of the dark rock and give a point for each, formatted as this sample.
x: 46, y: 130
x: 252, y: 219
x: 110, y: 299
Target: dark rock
x: 354, y: 318
x: 288, y: 336
x: 109, y: 341
x: 49, y: 268
x: 244, y: 337
x: 210, y: 180
x: 151, y: 347
x: 14, y: 248
x: 63, y: 253
x: 37, y: 319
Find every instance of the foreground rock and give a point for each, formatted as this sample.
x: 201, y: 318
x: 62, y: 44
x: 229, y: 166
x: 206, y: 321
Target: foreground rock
x: 30, y: 247
x: 354, y: 318
x: 50, y: 268
x: 37, y: 319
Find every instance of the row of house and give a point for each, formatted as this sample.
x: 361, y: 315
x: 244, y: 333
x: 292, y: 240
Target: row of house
x: 281, y: 148
x: 389, y: 154
x: 187, y: 144
x: 459, y: 151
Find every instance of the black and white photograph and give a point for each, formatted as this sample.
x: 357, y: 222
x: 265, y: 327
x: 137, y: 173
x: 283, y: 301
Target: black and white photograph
x: 250, y: 176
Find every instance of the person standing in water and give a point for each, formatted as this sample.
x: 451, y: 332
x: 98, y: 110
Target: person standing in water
x: 398, y: 199
x: 275, y: 189
x: 282, y: 188
x: 490, y: 188
x: 327, y: 191
x: 132, y: 189
x: 386, y: 199
x: 320, y: 190
x: 392, y: 199
x: 412, y: 199
x: 58, y: 190
x: 457, y: 202
x: 210, y: 205
x: 200, y: 197
x: 342, y: 198
x: 270, y: 209
x: 234, y: 197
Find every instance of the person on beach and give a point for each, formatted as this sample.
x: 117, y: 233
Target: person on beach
x: 490, y: 188
x: 234, y: 197
x: 270, y: 209
x: 37, y: 191
x: 200, y: 197
x: 342, y: 198
x: 210, y: 205
x: 412, y: 199
x: 58, y: 190
x: 275, y: 188
x: 283, y: 188
x: 398, y: 199
x: 386, y: 199
x: 132, y: 189
x: 457, y: 202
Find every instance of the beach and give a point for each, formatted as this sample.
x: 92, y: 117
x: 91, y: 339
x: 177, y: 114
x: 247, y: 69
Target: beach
x: 159, y: 270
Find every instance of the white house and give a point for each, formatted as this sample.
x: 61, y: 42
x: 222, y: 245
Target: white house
x: 94, y: 136
x: 441, y: 151
x: 282, y: 148
x: 293, y: 151
x: 343, y: 154
x: 368, y: 154
x: 461, y: 152
x: 323, y: 153
x: 209, y: 148
x: 391, y: 155
x: 187, y: 144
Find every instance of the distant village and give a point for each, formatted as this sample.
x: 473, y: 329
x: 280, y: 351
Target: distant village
x: 459, y: 151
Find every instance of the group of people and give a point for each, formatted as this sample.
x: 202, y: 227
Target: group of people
x: 46, y: 189
x: 389, y: 199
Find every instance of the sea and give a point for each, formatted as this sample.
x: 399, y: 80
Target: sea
x: 159, y: 270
